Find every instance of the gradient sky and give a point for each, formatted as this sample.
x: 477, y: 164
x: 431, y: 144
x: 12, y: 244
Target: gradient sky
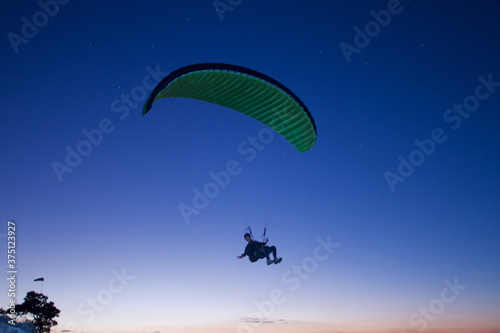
x: 108, y: 237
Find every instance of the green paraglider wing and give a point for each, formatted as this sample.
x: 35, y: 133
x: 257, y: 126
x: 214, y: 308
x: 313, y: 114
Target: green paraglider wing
x: 243, y: 90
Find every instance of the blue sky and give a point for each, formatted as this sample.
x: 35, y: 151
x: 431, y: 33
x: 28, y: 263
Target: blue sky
x: 108, y: 237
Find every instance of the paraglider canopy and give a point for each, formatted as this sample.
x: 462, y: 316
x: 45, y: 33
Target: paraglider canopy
x: 244, y: 90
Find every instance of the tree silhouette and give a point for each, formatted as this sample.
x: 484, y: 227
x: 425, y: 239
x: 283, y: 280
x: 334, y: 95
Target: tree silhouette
x: 35, y: 309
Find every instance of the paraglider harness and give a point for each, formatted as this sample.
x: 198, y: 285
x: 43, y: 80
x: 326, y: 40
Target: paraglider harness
x: 258, y: 248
